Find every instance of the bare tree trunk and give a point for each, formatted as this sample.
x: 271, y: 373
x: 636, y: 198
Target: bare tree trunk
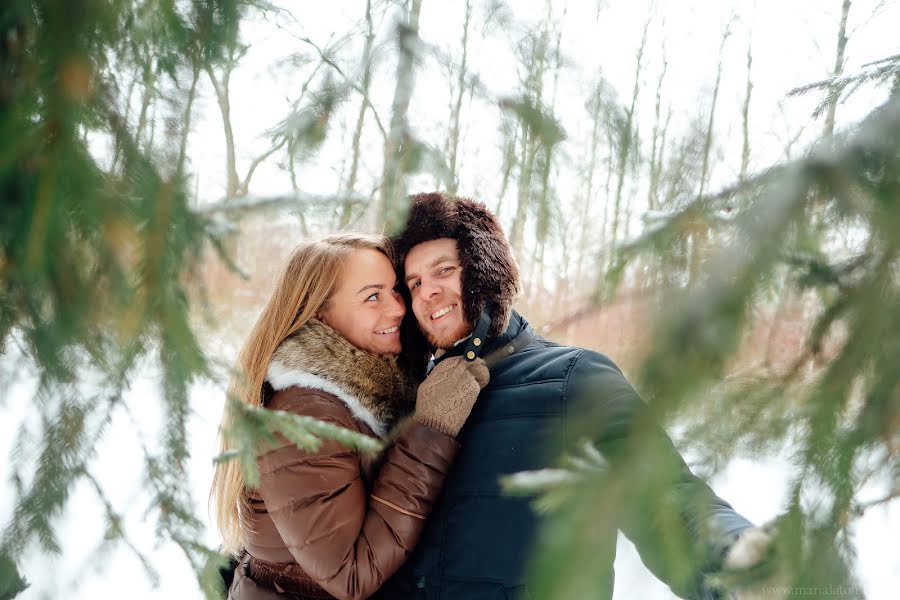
x: 625, y: 145
x: 654, y: 274
x: 530, y: 276
x: 509, y: 162
x: 127, y: 114
x: 745, y: 118
x: 584, y: 221
x: 610, y: 169
x: 707, y: 143
x: 566, y: 283
x: 838, y: 68
x: 235, y: 186
x: 656, y: 165
x: 117, y: 148
x: 221, y: 89
x: 526, y: 170
x: 698, y: 238
x: 245, y: 185
x: 292, y: 170
x: 148, y: 146
x: 662, y: 147
x: 150, y: 75
x: 534, y: 85
x: 557, y: 67
x: 647, y: 272
x: 635, y: 163
x: 347, y: 208
x: 186, y: 122
x: 540, y: 267
x: 391, y: 208
x: 453, y: 143
x: 604, y: 246
x: 545, y: 212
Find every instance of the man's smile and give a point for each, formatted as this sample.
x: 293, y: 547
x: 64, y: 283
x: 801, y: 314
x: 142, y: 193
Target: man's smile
x: 440, y: 313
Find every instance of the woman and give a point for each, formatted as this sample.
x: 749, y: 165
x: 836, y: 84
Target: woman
x: 335, y: 522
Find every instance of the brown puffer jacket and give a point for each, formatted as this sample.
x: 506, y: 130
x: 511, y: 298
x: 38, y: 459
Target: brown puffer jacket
x: 337, y: 522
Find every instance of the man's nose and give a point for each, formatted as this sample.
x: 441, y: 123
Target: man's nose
x: 429, y: 289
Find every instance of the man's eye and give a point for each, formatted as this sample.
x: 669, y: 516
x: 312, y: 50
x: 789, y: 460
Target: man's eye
x: 445, y: 270
x: 415, y: 284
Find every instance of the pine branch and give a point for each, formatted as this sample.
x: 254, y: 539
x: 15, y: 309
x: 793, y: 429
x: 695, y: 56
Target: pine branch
x: 11, y: 582
x: 245, y: 185
x: 253, y: 428
x: 116, y: 531
x: 323, y: 54
x: 252, y: 204
x: 878, y: 70
x: 553, y: 487
x: 862, y: 507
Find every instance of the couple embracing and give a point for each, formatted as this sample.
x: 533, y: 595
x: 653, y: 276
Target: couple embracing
x: 426, y: 518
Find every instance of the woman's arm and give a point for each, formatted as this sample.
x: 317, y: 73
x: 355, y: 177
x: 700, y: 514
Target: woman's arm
x: 347, y: 540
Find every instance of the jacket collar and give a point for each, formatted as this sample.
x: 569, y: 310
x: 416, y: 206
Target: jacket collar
x: 375, y: 389
x: 517, y: 325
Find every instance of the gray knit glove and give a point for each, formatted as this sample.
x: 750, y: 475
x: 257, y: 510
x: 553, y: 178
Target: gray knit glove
x: 447, y: 395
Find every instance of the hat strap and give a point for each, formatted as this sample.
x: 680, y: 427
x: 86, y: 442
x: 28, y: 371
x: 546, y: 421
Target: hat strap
x: 475, y: 345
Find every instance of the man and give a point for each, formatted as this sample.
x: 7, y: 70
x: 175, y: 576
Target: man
x: 462, y: 279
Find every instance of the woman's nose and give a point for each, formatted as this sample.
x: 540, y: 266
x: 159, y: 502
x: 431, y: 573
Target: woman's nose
x: 396, y: 306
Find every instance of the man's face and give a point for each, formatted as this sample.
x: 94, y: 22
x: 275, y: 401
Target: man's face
x: 434, y: 279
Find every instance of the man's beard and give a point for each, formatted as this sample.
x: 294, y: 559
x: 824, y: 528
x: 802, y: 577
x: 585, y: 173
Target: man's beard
x: 445, y: 341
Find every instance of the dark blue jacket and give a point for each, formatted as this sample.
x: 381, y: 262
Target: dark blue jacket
x: 477, y: 540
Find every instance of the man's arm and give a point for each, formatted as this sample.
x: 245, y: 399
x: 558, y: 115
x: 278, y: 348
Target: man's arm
x: 679, y: 526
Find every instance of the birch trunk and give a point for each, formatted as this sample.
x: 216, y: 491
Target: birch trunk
x: 391, y: 211
x: 350, y: 185
x: 838, y: 68
x: 150, y: 75
x: 453, y: 143
x: 186, y: 122
x: 232, y: 188
x: 657, y: 143
x: 745, y: 118
x: 625, y: 144
x: 699, y: 235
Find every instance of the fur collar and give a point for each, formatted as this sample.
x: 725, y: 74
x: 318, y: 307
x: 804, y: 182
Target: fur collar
x: 375, y: 389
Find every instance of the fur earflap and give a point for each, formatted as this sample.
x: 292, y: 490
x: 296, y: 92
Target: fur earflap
x: 490, y: 272
x: 375, y: 389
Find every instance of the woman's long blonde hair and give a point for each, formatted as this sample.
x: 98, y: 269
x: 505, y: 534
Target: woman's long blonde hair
x: 300, y: 293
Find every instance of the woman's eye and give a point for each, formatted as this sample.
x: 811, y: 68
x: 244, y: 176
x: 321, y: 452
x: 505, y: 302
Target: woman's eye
x: 372, y: 298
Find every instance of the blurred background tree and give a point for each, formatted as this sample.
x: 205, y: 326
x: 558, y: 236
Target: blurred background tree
x: 732, y: 244
x: 94, y: 244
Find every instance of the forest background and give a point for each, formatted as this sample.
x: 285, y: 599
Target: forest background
x: 705, y: 191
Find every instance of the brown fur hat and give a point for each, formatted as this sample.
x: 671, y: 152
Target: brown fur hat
x: 489, y: 270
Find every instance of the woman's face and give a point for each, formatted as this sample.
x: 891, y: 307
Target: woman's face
x: 366, y: 308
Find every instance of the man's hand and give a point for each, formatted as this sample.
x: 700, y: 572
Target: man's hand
x: 750, y: 549
x: 749, y: 563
